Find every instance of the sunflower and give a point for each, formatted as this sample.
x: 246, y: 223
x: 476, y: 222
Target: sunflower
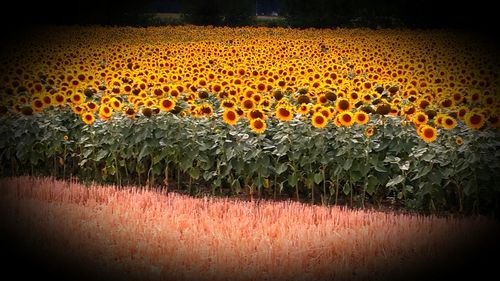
x: 247, y: 104
x: 22, y: 100
x: 361, y: 117
x: 105, y: 99
x: 147, y: 112
x: 494, y: 121
x: 346, y: 118
x: 256, y: 113
x: 448, y: 122
x: 326, y: 112
x: 330, y: 95
x: 206, y: 109
x: 409, y: 110
x: 284, y: 113
x: 203, y: 94
x: 321, y: 99
x: 257, y: 98
x: 318, y: 120
x: 105, y: 112
x: 194, y: 110
x: 474, y: 120
x: 369, y: 131
x: 457, y: 97
x: 343, y: 104
x: 462, y: 111
x: 37, y: 105
x: 428, y: 133
x: 420, y: 118
x: 78, y: 109
x: 130, y: 112
x: 77, y: 98
x: 149, y: 102
x: 336, y: 121
x: 115, y: 103
x: 47, y: 99
x: 303, y: 109
x: 166, y: 104
x: 230, y: 116
x: 354, y: 97
x: 304, y: 99
x: 88, y: 118
x: 459, y: 140
x: 91, y: 106
x: 422, y: 103
x: 278, y: 94
x: 446, y: 103
x: 228, y: 103
x: 258, y: 125
x: 58, y: 99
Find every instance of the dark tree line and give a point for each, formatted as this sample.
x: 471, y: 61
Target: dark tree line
x: 298, y: 13
x: 104, y: 12
x: 347, y: 13
x: 389, y: 13
x: 219, y: 12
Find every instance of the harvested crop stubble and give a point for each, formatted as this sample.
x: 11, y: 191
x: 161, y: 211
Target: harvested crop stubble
x: 141, y: 234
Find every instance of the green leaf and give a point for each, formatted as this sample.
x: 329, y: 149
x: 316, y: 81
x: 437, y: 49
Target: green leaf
x: 101, y: 154
x: 422, y: 172
x: 318, y: 177
x: 419, y: 152
x: 343, y: 150
x: 371, y: 184
x: 144, y: 152
x: 408, y: 188
x: 236, y: 185
x: 186, y: 162
x: 229, y: 154
x: 281, y: 150
x: 194, y: 172
x: 346, y: 189
x: 87, y: 153
x: 208, y: 175
x: 395, y: 180
x: 392, y: 159
x: 355, y: 175
x: 428, y: 157
x: 281, y: 168
x: 400, y: 195
x: 379, y: 168
x: 347, y: 164
x: 217, y: 182
x: 293, y: 179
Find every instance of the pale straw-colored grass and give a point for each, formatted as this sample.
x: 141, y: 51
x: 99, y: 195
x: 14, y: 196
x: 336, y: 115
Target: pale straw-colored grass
x: 152, y: 235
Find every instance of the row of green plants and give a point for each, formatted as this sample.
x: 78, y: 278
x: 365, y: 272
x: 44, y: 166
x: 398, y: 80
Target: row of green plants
x: 458, y: 172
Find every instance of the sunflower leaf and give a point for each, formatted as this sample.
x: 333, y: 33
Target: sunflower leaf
x: 395, y: 181
x: 318, y: 178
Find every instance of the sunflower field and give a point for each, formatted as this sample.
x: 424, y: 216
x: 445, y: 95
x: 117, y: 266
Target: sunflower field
x: 344, y: 116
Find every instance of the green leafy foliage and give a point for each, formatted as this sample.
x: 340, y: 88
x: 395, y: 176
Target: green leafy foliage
x: 342, y: 164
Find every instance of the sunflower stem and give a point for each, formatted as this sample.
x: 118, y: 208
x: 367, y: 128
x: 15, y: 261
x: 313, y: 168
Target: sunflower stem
x: 166, y: 177
x: 189, y: 186
x: 324, y: 185
x: 312, y: 194
x: 178, y: 179
x: 336, y: 191
x: 274, y: 185
x: 118, y: 180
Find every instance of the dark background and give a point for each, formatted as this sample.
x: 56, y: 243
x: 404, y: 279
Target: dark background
x: 478, y: 17
x: 316, y: 13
